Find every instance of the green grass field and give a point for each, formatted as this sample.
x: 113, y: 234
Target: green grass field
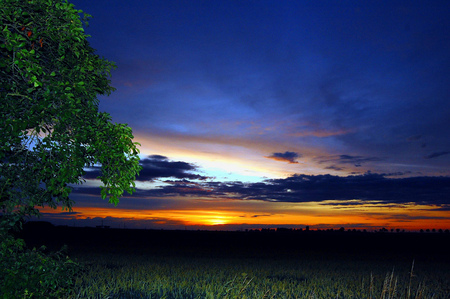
x: 178, y: 264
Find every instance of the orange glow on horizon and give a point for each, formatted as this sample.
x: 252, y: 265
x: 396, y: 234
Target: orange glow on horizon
x: 290, y: 215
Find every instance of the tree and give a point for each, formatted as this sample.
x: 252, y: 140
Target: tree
x: 50, y: 130
x: 50, y: 126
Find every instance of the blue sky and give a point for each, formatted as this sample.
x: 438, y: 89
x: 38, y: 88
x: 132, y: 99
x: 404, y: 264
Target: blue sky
x: 252, y: 92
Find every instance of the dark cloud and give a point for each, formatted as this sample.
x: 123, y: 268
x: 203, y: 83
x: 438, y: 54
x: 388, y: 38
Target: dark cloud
x: 406, y: 217
x: 350, y: 203
x: 368, y: 187
x: 183, y: 187
x: 356, y: 160
x: 334, y: 167
x: 158, y: 157
x: 435, y: 155
x: 289, y: 157
x: 157, y: 166
x: 60, y: 214
x: 347, y: 159
x: 440, y: 208
x: 255, y: 216
x: 399, y: 173
x: 373, y: 189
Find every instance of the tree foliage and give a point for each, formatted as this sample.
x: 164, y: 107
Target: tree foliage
x: 33, y: 273
x: 50, y: 126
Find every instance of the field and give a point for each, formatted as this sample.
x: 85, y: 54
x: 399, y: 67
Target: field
x: 200, y: 264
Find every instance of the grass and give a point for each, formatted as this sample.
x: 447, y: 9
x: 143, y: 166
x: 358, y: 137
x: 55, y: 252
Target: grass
x: 129, y: 276
x: 184, y: 265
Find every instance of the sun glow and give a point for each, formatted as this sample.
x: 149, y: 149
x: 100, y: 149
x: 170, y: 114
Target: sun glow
x: 208, y: 218
x: 248, y: 214
x: 218, y: 221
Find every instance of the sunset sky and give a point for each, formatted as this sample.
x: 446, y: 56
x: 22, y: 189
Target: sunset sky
x: 256, y: 114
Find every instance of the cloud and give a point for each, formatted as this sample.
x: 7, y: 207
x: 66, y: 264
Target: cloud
x: 289, y: 157
x: 256, y: 216
x: 183, y: 187
x: 319, y: 132
x: 61, y: 215
x: 158, y: 157
x: 334, y: 167
x: 398, y: 173
x: 440, y: 208
x: 157, y: 166
x: 373, y: 189
x: 370, y: 188
x: 406, y: 217
x: 357, y: 161
x: 349, y: 203
x: 435, y: 155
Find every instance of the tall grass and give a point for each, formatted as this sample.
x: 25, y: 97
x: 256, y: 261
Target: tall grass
x: 127, y: 276
x: 179, y: 264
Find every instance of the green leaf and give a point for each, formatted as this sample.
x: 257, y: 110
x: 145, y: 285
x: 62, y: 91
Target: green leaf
x: 80, y: 135
x: 103, y: 193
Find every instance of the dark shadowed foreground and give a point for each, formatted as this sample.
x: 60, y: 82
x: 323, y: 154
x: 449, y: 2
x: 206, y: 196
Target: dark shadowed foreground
x: 121, y: 263
x: 408, y: 246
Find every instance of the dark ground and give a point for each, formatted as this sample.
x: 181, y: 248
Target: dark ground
x: 327, y: 245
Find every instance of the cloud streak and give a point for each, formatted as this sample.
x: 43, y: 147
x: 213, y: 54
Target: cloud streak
x: 435, y: 155
x: 356, y: 161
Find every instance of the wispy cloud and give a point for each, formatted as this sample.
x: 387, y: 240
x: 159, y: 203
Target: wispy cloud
x: 435, y: 155
x: 444, y: 207
x: 334, y: 167
x: 357, y: 161
x: 255, y: 216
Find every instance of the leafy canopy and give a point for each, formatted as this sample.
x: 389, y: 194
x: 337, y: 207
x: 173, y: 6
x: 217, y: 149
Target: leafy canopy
x: 50, y: 126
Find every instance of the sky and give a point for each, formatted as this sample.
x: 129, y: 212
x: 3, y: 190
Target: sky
x: 257, y: 114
